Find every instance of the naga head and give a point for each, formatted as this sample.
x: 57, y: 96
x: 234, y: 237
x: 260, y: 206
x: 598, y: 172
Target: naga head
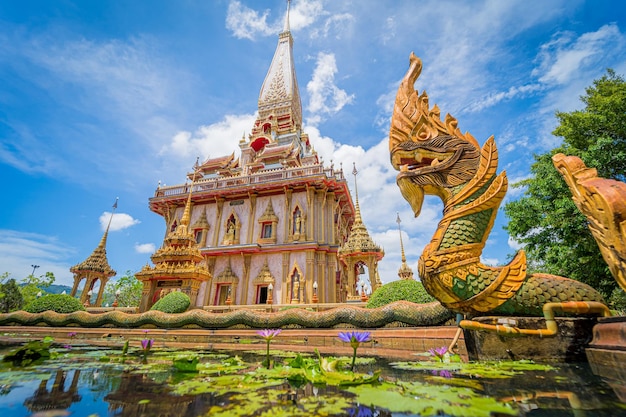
x: 433, y: 157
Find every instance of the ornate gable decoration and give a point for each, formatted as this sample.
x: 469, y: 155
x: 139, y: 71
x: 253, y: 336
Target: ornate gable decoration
x: 265, y: 276
x: 227, y: 275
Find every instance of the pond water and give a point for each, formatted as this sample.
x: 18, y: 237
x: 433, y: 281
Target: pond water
x: 89, y: 381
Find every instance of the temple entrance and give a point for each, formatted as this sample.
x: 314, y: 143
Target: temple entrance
x: 223, y: 291
x: 261, y: 294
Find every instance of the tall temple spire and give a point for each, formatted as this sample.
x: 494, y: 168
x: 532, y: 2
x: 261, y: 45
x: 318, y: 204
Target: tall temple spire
x: 103, y: 241
x: 279, y: 94
x: 286, y: 28
x: 405, y: 271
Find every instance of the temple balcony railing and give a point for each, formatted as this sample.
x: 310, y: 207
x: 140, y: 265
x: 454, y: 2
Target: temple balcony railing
x: 261, y: 177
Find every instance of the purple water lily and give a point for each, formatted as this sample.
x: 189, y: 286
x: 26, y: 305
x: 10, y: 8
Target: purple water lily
x: 268, y: 335
x: 444, y: 373
x: 355, y: 339
x: 146, y: 344
x: 438, y: 352
x: 71, y: 335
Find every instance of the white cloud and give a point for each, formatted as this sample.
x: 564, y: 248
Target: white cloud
x: 515, y: 245
x: 566, y: 56
x: 305, y: 13
x: 20, y: 250
x: 145, y: 247
x: 247, y: 23
x: 494, y: 98
x: 337, y: 24
x: 325, y: 98
x: 210, y: 141
x: 120, y: 221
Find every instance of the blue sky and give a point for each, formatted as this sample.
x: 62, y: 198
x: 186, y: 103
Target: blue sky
x: 105, y: 99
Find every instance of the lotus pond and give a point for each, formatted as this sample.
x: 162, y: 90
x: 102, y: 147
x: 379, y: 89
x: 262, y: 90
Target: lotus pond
x: 42, y: 379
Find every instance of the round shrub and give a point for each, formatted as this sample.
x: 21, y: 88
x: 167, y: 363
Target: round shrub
x: 174, y: 302
x: 61, y: 303
x: 408, y: 290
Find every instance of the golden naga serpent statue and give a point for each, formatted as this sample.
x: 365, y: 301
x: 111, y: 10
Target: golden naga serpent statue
x: 434, y: 157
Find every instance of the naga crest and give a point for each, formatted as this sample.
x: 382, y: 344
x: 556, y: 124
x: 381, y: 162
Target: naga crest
x: 433, y: 156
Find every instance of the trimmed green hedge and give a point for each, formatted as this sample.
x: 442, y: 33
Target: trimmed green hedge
x: 409, y: 290
x: 61, y: 303
x: 174, y: 302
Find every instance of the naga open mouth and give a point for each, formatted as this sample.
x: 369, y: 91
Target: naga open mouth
x: 419, y: 159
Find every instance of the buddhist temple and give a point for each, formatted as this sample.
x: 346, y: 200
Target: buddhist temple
x: 178, y: 265
x: 268, y: 224
x: 94, y: 270
x: 358, y: 253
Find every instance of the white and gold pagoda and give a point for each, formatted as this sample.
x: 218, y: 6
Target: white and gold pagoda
x: 270, y: 222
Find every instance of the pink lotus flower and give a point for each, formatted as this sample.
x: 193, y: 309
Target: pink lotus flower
x: 268, y: 335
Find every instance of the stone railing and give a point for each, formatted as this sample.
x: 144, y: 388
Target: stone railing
x: 265, y: 176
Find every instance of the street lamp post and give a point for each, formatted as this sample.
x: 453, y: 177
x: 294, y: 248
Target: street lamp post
x: 363, y: 295
x: 229, y: 301
x: 88, y: 300
x: 270, y: 290
x: 117, y: 296
x: 34, y: 267
x: 315, y: 299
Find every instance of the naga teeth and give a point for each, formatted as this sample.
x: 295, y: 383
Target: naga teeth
x: 404, y: 168
x: 418, y: 157
x: 434, y: 162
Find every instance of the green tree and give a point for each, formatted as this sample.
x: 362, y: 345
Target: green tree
x: 11, y: 297
x: 545, y: 220
x: 129, y: 289
x: 31, y: 286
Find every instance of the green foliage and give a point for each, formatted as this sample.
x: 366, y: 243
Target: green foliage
x: 32, y: 285
x: 545, y: 220
x: 617, y: 301
x: 11, y: 296
x: 186, y: 363
x: 129, y: 288
x: 31, y: 353
x: 174, y: 302
x: 61, y: 303
x: 408, y: 290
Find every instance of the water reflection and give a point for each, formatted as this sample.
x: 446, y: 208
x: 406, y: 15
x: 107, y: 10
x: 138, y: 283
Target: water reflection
x: 57, y: 398
x: 139, y: 395
x: 82, y: 385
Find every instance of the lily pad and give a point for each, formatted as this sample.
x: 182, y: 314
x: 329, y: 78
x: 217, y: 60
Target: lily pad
x: 428, y: 400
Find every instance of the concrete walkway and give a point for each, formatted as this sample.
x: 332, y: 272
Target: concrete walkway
x: 398, y: 343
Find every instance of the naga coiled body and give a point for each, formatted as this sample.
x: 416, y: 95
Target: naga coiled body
x: 435, y: 158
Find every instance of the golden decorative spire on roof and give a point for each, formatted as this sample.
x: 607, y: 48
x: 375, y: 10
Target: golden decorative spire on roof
x: 359, y: 240
x: 405, y: 271
x: 97, y: 261
x: 179, y: 258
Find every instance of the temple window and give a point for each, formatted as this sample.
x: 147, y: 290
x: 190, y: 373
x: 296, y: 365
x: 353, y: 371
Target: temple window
x: 198, y: 236
x: 268, y: 223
